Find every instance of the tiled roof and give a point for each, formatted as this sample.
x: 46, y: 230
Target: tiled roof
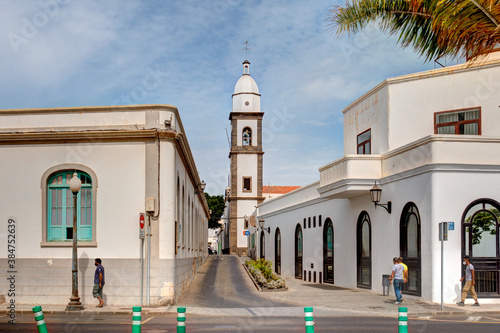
x: 278, y: 189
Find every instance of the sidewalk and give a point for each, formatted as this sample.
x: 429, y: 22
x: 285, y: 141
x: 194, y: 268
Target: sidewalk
x: 327, y: 300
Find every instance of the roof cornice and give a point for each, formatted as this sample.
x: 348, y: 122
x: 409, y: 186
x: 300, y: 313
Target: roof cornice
x: 91, y: 109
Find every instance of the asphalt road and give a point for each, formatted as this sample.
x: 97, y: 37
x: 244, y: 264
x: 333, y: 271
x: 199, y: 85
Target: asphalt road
x: 224, y: 283
x: 121, y: 323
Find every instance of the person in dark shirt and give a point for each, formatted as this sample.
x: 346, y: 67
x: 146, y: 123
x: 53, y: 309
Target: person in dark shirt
x: 98, y: 282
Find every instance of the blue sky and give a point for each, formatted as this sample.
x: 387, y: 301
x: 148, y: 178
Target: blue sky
x: 80, y: 53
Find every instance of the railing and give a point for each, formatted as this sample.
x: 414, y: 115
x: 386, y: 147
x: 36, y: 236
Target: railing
x: 486, y: 282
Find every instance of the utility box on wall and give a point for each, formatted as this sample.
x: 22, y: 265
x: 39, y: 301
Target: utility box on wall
x: 150, y: 205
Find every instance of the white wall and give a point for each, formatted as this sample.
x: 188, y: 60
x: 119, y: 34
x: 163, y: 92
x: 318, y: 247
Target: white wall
x: 454, y: 192
x: 247, y: 167
x: 369, y: 112
x: 414, y: 102
x: 118, y: 206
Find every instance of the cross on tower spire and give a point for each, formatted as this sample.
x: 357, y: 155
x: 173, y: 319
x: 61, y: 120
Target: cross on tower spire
x: 247, y: 48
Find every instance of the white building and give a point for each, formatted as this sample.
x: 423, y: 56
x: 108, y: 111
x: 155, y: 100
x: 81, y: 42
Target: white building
x: 431, y: 141
x: 123, y: 155
x: 213, y: 239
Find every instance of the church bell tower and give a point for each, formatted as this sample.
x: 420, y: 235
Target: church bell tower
x: 246, y: 157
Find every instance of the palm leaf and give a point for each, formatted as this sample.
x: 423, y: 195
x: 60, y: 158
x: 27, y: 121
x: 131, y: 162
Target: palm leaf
x: 432, y: 27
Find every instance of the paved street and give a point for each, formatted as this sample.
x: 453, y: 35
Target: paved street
x: 222, y: 298
x: 223, y: 283
x: 167, y: 323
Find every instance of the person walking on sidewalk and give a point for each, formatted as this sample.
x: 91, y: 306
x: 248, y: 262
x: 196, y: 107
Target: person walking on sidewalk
x: 405, y: 273
x: 98, y: 282
x: 470, y: 282
x: 397, y: 277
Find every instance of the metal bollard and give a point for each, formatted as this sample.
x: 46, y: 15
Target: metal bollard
x: 403, y: 320
x: 40, y: 319
x: 308, y: 316
x: 136, y: 319
x: 181, y: 319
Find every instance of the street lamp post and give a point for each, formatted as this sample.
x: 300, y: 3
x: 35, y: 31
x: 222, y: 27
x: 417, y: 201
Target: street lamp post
x: 75, y: 184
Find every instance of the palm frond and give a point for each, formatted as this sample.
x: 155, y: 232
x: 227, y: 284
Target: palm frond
x: 432, y: 27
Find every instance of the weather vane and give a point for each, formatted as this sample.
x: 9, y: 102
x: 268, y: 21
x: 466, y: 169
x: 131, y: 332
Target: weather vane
x: 247, y: 48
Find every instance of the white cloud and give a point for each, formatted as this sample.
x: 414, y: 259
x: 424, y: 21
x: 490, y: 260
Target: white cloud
x: 98, y: 53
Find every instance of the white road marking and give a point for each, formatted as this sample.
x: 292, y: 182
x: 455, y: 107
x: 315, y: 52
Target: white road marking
x: 473, y: 318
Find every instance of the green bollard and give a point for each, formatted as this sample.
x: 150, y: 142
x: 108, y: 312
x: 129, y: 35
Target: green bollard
x: 136, y: 319
x: 403, y: 320
x: 308, y: 316
x: 40, y: 319
x: 181, y: 319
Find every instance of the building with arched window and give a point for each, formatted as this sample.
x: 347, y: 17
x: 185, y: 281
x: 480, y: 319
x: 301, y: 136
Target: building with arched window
x: 430, y: 141
x: 130, y: 159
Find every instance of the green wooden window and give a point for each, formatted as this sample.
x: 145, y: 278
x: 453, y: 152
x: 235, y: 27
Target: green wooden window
x: 60, y: 207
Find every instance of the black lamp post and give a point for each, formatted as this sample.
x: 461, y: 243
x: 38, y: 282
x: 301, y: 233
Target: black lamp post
x: 375, y: 194
x: 75, y: 184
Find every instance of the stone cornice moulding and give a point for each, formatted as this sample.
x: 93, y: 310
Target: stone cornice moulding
x: 91, y: 136
x: 252, y: 115
x: 230, y: 198
x: 93, y: 109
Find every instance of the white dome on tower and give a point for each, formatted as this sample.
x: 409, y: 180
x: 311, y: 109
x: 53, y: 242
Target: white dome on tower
x: 246, y: 84
x: 246, y: 96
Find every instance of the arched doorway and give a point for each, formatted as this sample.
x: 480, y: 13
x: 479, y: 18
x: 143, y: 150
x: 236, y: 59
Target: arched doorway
x: 328, y: 251
x: 262, y: 245
x: 480, y: 241
x: 364, y: 250
x: 410, y: 248
x: 298, y: 252
x: 277, y: 251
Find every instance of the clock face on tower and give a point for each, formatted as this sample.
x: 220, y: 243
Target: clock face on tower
x: 247, y: 103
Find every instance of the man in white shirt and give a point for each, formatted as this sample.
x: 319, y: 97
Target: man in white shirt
x: 398, y: 278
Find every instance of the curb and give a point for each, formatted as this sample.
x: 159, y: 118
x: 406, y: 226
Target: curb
x: 259, y: 288
x: 87, y: 312
x: 251, y: 277
x: 453, y: 313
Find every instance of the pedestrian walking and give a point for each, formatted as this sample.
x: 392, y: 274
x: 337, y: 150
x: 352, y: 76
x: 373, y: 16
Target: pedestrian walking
x: 397, y: 278
x: 470, y: 282
x: 405, y: 273
x: 98, y: 282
